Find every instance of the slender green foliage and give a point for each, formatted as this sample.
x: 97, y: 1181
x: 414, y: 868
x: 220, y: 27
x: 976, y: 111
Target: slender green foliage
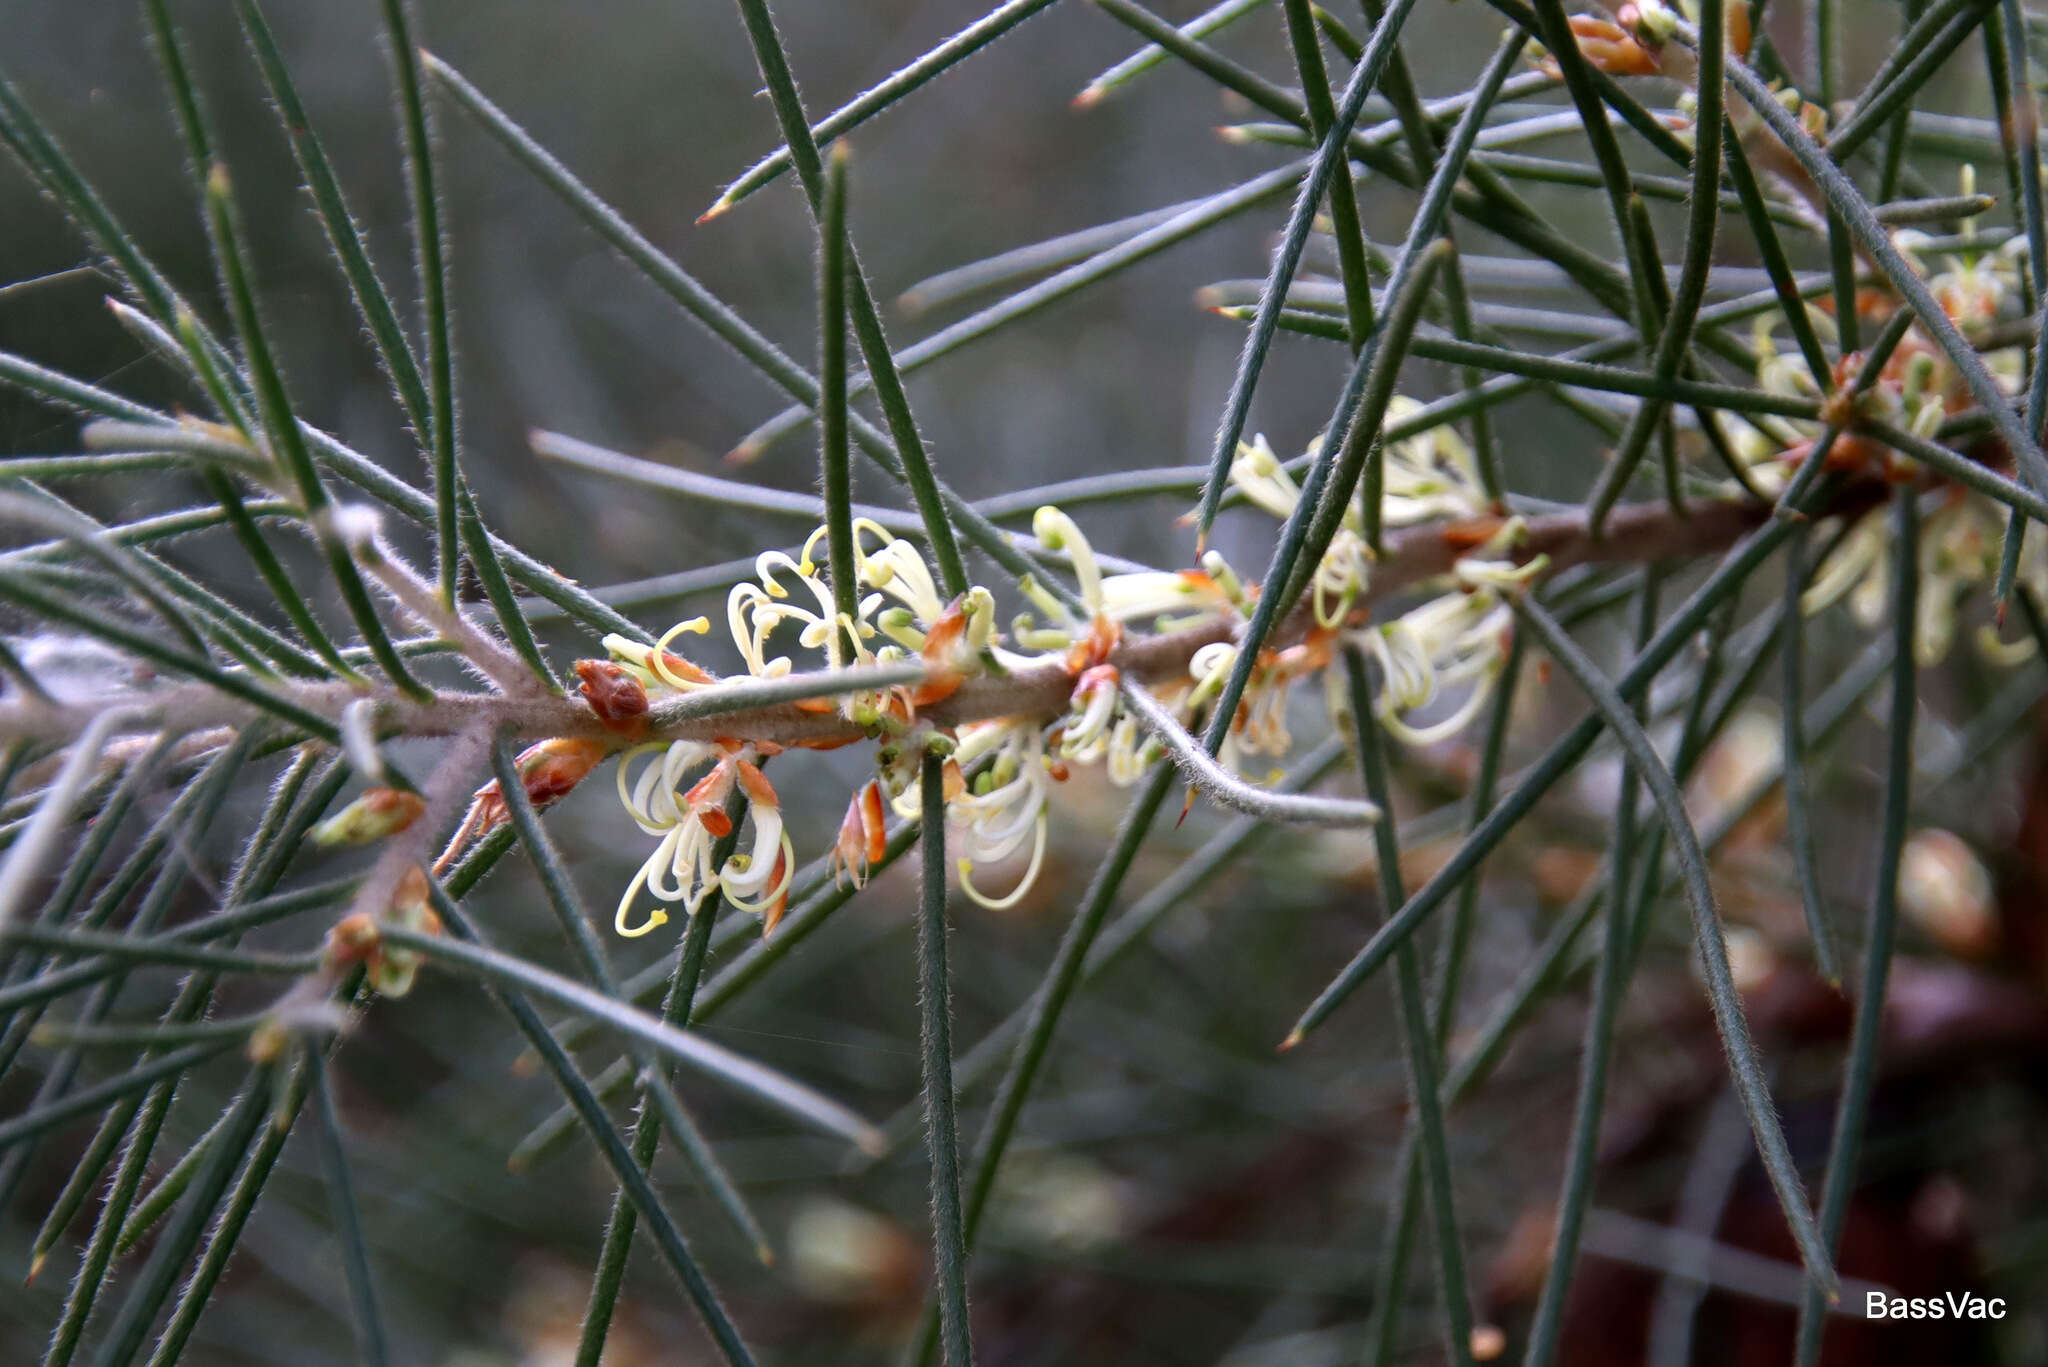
x: 867, y: 321
x: 1860, y: 1069
x: 1750, y: 1082
x: 1804, y: 450
x: 1418, y: 1036
x: 835, y: 475
x: 942, y: 1131
x: 355, y: 1260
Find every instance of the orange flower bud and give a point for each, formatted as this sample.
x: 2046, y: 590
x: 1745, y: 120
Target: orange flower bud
x: 863, y: 835
x: 1737, y: 26
x: 943, y: 649
x: 1610, y: 47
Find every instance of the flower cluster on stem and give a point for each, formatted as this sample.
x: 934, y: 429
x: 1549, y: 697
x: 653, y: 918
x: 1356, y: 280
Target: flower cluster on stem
x: 1917, y: 389
x: 1439, y: 657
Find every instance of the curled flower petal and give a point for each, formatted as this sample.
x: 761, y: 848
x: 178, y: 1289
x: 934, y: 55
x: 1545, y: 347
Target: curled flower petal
x: 1024, y: 884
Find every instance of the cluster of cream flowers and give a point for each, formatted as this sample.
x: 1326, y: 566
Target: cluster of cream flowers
x: 900, y: 615
x: 1455, y: 641
x: 1960, y: 541
x: 999, y: 772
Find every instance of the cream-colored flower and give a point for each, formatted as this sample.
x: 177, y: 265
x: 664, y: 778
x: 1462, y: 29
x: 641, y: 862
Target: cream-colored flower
x: 1428, y: 477
x: 690, y: 822
x: 1456, y: 641
x: 1002, y: 808
x: 1959, y: 547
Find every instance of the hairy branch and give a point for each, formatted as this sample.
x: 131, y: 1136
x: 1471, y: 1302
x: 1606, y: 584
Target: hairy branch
x: 767, y: 711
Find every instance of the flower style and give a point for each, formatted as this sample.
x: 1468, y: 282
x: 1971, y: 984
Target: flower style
x: 1084, y: 738
x: 1460, y: 639
x: 1003, y: 806
x: 690, y: 822
x: 656, y: 669
x: 1171, y: 597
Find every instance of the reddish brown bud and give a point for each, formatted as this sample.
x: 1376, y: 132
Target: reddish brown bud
x: 547, y: 771
x: 553, y: 767
x: 615, y: 696
x: 1464, y: 534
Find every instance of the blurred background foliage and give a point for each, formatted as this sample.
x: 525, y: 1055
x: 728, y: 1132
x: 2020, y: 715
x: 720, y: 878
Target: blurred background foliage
x: 1179, y: 1196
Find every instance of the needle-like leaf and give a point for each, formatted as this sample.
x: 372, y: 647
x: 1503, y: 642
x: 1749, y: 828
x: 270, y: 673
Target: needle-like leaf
x: 1860, y: 1070
x: 1322, y: 174
x: 1751, y: 1083
x: 941, y: 1127
x: 505, y: 970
